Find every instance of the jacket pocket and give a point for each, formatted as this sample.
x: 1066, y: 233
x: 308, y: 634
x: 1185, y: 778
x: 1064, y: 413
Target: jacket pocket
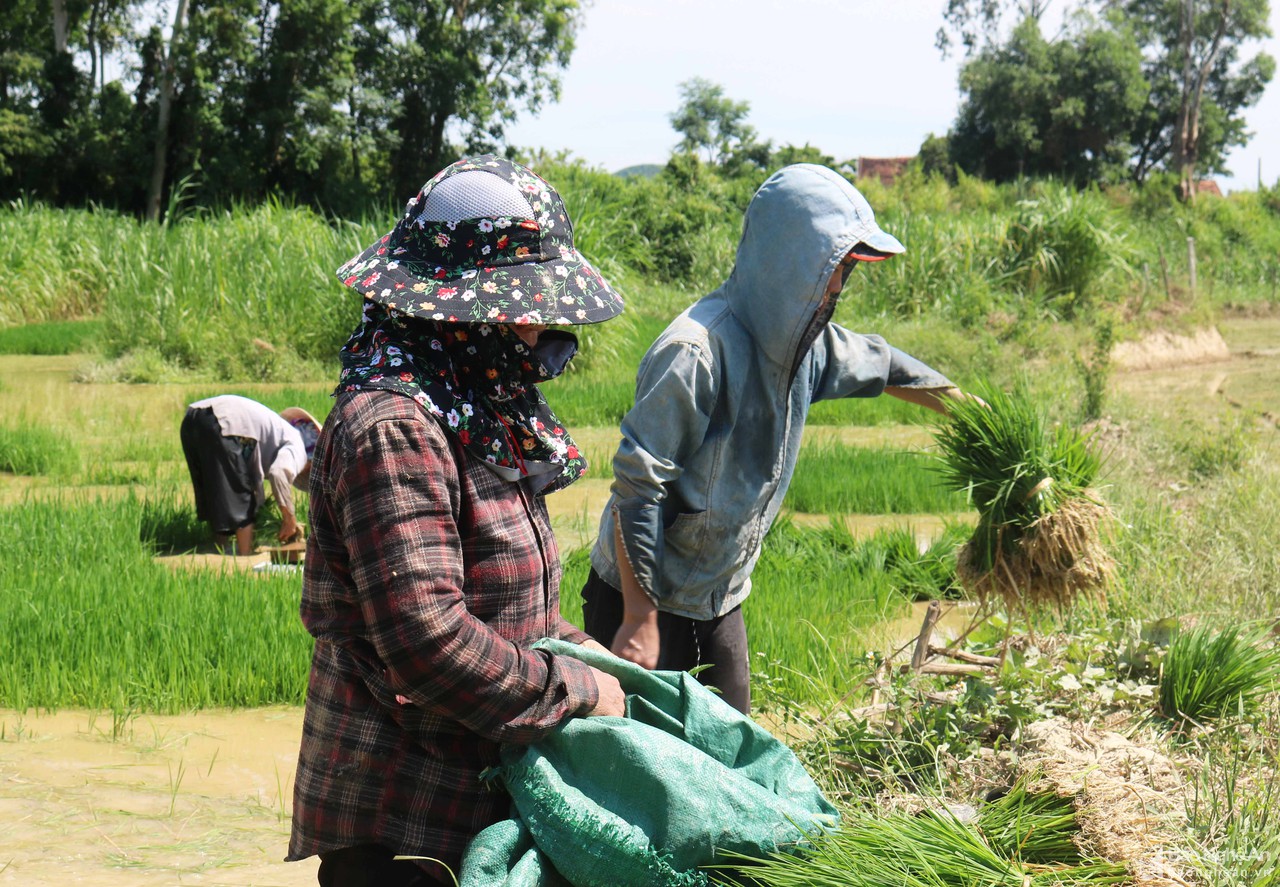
x: 683, y: 543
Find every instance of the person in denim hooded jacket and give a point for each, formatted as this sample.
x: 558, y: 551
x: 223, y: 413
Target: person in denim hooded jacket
x: 710, y: 445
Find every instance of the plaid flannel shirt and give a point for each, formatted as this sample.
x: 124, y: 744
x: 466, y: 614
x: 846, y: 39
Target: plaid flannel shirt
x: 427, y: 577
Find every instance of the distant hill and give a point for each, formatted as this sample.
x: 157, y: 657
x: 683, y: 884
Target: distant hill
x: 648, y: 170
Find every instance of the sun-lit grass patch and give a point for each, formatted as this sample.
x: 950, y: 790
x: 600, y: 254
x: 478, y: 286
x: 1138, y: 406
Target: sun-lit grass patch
x: 834, y: 479
x: 51, y: 337
x: 31, y: 449
x: 90, y: 619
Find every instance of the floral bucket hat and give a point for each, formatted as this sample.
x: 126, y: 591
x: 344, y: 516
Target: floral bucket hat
x: 485, y: 241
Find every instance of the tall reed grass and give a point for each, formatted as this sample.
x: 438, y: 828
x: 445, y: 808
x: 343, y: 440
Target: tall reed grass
x: 248, y: 292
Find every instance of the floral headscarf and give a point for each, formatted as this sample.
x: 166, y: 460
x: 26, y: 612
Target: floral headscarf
x: 480, y: 379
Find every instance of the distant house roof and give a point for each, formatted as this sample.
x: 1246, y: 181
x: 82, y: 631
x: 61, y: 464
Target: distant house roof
x: 886, y: 169
x: 1208, y: 186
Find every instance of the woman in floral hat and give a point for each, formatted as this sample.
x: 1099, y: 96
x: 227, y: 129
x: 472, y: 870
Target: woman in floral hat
x: 431, y: 567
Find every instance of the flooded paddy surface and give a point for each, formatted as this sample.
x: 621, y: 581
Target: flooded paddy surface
x: 148, y: 801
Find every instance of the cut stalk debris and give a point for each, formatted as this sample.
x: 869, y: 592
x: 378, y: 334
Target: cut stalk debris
x: 1040, y: 521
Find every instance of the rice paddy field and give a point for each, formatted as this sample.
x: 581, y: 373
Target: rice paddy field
x: 150, y: 688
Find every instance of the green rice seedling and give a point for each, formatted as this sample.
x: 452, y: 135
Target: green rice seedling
x: 1033, y: 827
x: 586, y: 399
x: 811, y: 660
x: 1211, y: 674
x: 168, y: 527
x: 37, y: 450
x: 818, y: 652
x: 834, y: 479
x: 92, y: 620
x: 576, y: 565
x: 931, y: 849
x: 923, y: 575
x: 1039, y: 533
x: 866, y: 411
x: 52, y: 337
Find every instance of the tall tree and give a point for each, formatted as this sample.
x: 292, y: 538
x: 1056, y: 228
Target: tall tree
x: 1193, y: 61
x: 714, y: 124
x: 160, y: 156
x: 459, y: 69
x: 1200, y: 83
x: 1061, y: 108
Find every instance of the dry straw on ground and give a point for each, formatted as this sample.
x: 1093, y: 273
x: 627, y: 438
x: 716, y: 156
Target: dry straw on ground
x: 1129, y: 796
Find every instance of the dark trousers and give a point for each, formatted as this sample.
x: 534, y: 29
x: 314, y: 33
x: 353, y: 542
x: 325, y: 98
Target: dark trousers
x: 225, y: 489
x: 719, y: 643
x: 371, y: 865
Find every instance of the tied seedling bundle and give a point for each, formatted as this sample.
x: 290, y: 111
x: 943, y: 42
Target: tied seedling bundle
x: 1039, y: 538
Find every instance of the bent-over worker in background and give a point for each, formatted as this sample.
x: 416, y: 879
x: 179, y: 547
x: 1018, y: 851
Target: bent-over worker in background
x: 232, y: 444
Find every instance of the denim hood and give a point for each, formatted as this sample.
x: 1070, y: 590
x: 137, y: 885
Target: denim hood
x: 799, y: 226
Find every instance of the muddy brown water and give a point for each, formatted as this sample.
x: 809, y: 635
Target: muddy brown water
x: 148, y: 802
x: 203, y: 798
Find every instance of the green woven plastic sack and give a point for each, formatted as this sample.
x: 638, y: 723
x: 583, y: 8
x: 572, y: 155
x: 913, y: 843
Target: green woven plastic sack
x: 647, y: 799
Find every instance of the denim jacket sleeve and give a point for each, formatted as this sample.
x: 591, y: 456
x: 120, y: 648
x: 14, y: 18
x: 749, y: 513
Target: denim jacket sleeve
x: 851, y: 364
x: 676, y: 391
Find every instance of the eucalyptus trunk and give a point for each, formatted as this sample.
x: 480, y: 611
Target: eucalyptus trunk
x: 165, y: 110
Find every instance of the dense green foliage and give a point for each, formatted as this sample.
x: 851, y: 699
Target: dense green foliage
x: 986, y: 264
x: 1035, y: 107
x: 338, y: 104
x: 1134, y: 85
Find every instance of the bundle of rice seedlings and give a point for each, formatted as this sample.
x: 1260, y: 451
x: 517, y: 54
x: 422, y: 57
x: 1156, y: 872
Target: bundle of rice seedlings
x: 1018, y: 841
x: 1040, y: 521
x: 1208, y: 674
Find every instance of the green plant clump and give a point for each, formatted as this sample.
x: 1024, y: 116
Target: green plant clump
x: 1020, y: 840
x: 1038, y: 537
x: 1210, y: 674
x: 36, y: 451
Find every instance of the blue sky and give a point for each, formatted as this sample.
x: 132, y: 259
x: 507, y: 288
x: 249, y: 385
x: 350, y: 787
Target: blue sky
x: 851, y: 77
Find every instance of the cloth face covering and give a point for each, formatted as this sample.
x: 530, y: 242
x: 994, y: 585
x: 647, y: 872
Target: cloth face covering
x: 480, y: 379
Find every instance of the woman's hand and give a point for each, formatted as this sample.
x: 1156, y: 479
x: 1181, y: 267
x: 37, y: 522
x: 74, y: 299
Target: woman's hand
x: 612, y: 699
